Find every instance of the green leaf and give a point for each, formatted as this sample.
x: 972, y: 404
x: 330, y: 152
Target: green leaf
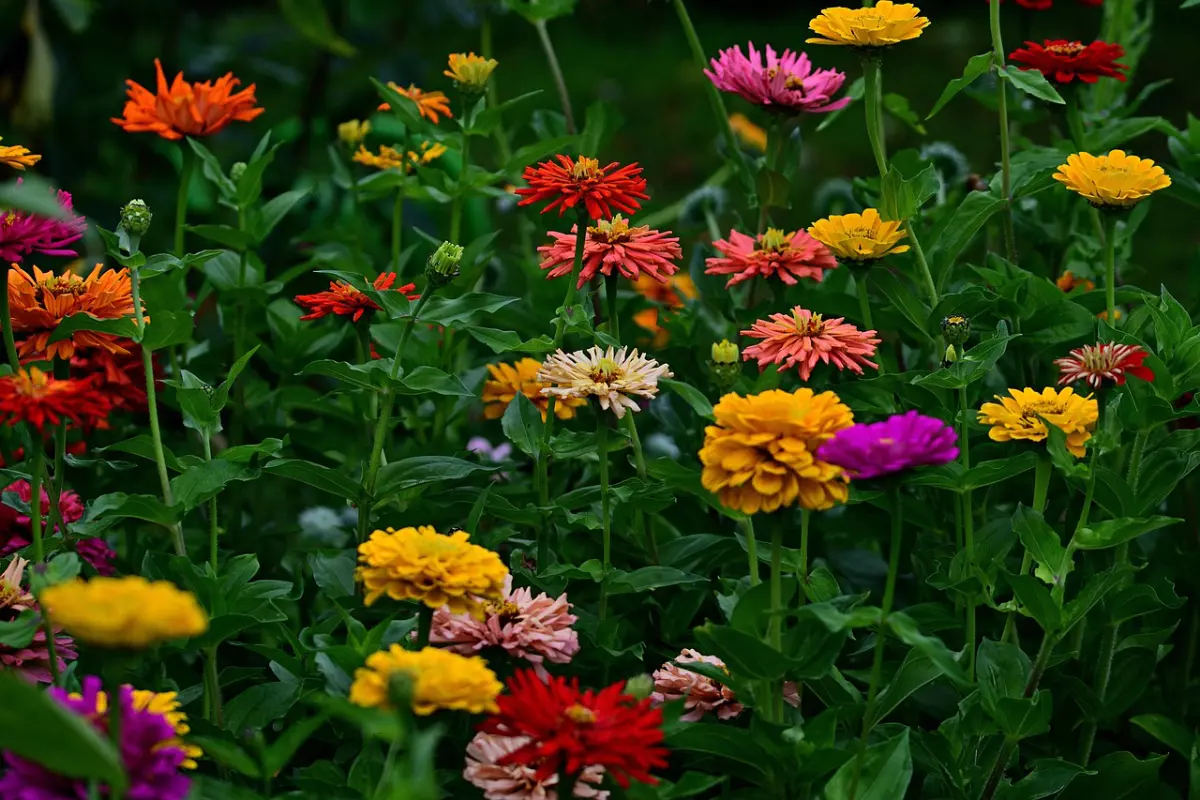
x: 1022, y: 717
x: 1035, y: 598
x: 224, y: 234
x: 541, y: 10
x: 1003, y: 670
x: 898, y: 106
x: 261, y: 705
x: 647, y: 579
x: 746, y: 656
x: 274, y: 210
x: 423, y: 470
x: 167, y: 328
x: 972, y: 366
x: 196, y: 485
x: 310, y: 19
x: 773, y: 188
x: 220, y: 395
x: 18, y: 632
x: 522, y: 424
x: 334, y: 574
x: 280, y: 752
x: 917, y: 670
x: 1047, y: 778
x: 690, y: 395
x: 976, y: 66
x: 443, y: 311
x: 900, y: 198
x: 1115, y: 776
x: 906, y: 630
x: 1113, y: 532
x: 227, y: 754
x: 885, y: 773
x: 1174, y: 735
x: 1032, y: 82
x: 324, y: 478
x: 118, y: 505
x: 430, y: 380
x: 717, y: 740
x: 968, y: 219
x: 1092, y: 593
x: 988, y: 473
x: 1042, y: 543
x: 124, y: 327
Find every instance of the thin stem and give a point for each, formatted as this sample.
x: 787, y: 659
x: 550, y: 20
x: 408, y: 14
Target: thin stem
x: 35, y: 495
x: 485, y: 49
x: 1010, y: 240
x: 212, y: 685
x: 10, y: 345
x: 397, y: 228
x: 560, y: 83
x: 805, y: 521
x: 747, y: 525
x: 112, y: 686
x: 213, y: 530
x: 872, y: 75
x: 964, y: 446
x: 1110, y: 271
x: 639, y: 461
x: 775, y: 623
x: 610, y: 297
x: 605, y: 512
x: 456, y: 206
x: 1135, y: 458
x: 1041, y: 488
x: 187, y: 166
x: 922, y: 263
x: 864, y: 299
x: 1035, y: 677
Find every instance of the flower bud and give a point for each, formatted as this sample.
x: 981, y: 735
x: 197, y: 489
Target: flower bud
x: 237, y: 170
x: 956, y: 329
x: 135, y: 217
x: 640, y: 686
x: 352, y: 132
x: 442, y: 266
x: 724, y: 352
x: 724, y: 366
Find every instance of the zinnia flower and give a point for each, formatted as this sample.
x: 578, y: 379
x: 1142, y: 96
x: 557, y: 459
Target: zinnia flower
x: 15, y: 525
x: 1100, y: 362
x: 502, y: 781
x: 632, y: 251
x: 128, y: 613
x: 536, y: 629
x: 803, y: 339
x: 568, y: 183
x: 439, y: 680
x: 166, y: 705
x: 96, y: 552
x: 1045, y: 5
x: 34, y: 397
x: 119, y: 378
x: 150, y: 753
x: 859, y: 237
x: 900, y: 442
x: 786, y: 83
x: 353, y: 131
x: 17, y: 157
x: 1063, y: 61
x: 391, y: 158
x: 1116, y: 180
x: 1068, y: 281
x: 776, y: 253
x: 569, y: 730
x: 672, y: 294
x: 41, y: 301
x: 614, y: 378
x: 423, y: 565
x: 761, y: 454
x: 521, y: 377
x: 23, y: 232
x: 701, y: 695
x: 32, y: 660
x: 186, y: 109
x: 469, y: 71
x: 344, y: 300
x: 429, y: 104
x: 884, y: 24
x: 748, y: 134
x: 1024, y: 413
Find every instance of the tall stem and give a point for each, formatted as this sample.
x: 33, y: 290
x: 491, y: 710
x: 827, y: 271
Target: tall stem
x: 112, y: 687
x: 747, y: 525
x: 873, y: 78
x: 775, y: 623
x: 1110, y: 271
x: 397, y: 228
x: 213, y: 529
x: 805, y: 521
x: 1010, y: 239
x: 187, y: 166
x: 922, y: 264
x: 485, y: 49
x: 560, y: 83
x: 10, y: 345
x: 610, y: 298
x: 35, y: 495
x: 639, y: 461
x: 1041, y: 488
x: 1035, y: 677
x: 864, y: 299
x: 456, y: 206
x: 212, y: 686
x: 605, y: 512
x: 964, y: 446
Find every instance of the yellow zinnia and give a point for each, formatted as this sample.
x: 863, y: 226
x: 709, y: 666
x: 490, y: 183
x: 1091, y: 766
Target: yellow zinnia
x: 1116, y: 180
x: 1025, y: 412
x: 129, y: 612
x: 166, y: 705
x: 469, y: 71
x: 353, y: 131
x: 391, y: 158
x: 761, y: 454
x: 439, y: 680
x: 520, y: 377
x: 423, y: 565
x: 884, y: 24
x: 17, y: 157
x: 859, y: 237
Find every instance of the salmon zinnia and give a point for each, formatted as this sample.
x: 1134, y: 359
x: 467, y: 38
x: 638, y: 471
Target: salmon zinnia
x: 344, y: 300
x: 613, y: 244
x: 41, y: 301
x: 43, y: 401
x: 568, y: 183
x: 788, y: 256
x: 186, y: 109
x: 803, y: 339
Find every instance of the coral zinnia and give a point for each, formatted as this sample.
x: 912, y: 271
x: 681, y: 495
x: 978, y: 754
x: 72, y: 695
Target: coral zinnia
x: 1100, y: 362
x: 1068, y: 281
x: 900, y: 442
x: 17, y: 157
x: 344, y: 300
x: 486, y: 769
x: 762, y: 452
x: 803, y: 339
x: 521, y: 377
x: 1115, y: 180
x: 429, y: 104
x: 701, y: 695
x: 186, y: 109
x: 613, y: 377
x: 570, y: 730
x: 788, y: 256
x: 423, y: 565
x: 1063, y: 61
x: 673, y: 294
x: 786, y: 83
x: 15, y: 525
x: 32, y: 659
x: 632, y: 251
x: 41, y: 301
x: 884, y: 24
x: 439, y: 680
x: 35, y: 397
x: 23, y: 232
x: 391, y: 158
x: 1024, y: 413
x: 859, y: 237
x: 568, y: 183
x: 127, y: 613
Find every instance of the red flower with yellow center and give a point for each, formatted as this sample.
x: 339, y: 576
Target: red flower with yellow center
x: 568, y: 183
x: 186, y: 109
x: 429, y: 104
x: 1063, y: 61
x: 37, y: 398
x: 39, y: 302
x: 344, y: 300
x: 1098, y: 363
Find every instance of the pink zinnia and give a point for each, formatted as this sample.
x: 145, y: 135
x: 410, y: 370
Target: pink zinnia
x: 33, y: 660
x: 96, y: 552
x: 784, y: 83
x: 700, y: 694
x: 1100, y: 362
x: 519, y: 781
x: 15, y: 525
x: 22, y: 232
x: 536, y: 629
x: 788, y: 256
x: 632, y: 251
x: 802, y: 339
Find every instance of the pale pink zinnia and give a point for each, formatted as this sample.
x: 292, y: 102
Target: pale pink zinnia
x: 700, y: 694
x: 33, y: 660
x: 615, y: 378
x: 23, y: 232
x: 519, y: 781
x: 788, y: 256
x: 1104, y: 361
x: 613, y: 244
x: 803, y: 339
x: 786, y: 83
x: 536, y: 629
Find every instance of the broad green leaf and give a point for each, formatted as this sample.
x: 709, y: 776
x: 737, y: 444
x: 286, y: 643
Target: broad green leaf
x: 224, y: 234
x: 1173, y: 734
x: 1003, y: 671
x: 976, y: 66
x: 690, y: 395
x: 968, y: 219
x: 260, y: 705
x: 746, y: 656
x: 18, y: 632
x: 118, y: 505
x: 906, y: 630
x: 647, y: 579
x: 1115, y: 776
x: 423, y: 470
x: 124, y: 326
x: 972, y: 366
x: 1035, y: 599
x: 1022, y: 717
x: 885, y: 775
x: 1001, y: 469
x: 1031, y: 82
x: 720, y: 741
x: 902, y: 198
x: 167, y: 328
x: 280, y: 751
x: 1047, y: 778
x: 1113, y: 532
x: 1097, y: 587
x: 334, y: 573
x: 442, y: 311
x: 227, y: 754
x: 522, y: 424
x: 541, y: 10
x: 326, y: 479
x: 275, y: 210
x: 195, y: 485
x: 917, y: 670
x: 1042, y: 543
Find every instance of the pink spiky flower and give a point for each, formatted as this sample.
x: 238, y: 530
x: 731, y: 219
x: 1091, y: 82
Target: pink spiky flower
x: 613, y: 244
x: 23, y: 232
x: 776, y: 253
x: 784, y: 82
x: 33, y: 660
x: 803, y: 339
x: 487, y: 769
x: 700, y: 694
x: 1100, y: 362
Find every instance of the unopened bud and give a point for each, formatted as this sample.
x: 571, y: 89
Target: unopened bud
x: 135, y: 217
x: 724, y: 352
x: 237, y: 171
x: 353, y: 131
x: 442, y: 266
x: 640, y: 686
x: 956, y: 329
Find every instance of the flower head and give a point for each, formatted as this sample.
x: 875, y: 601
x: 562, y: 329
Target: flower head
x: 1069, y: 281
x: 725, y: 352
x: 673, y: 294
x: 23, y: 233
x: 344, y: 300
x: 15, y: 525
x: 391, y: 158
x: 438, y: 679
x: 761, y: 454
x: 900, y: 442
x: 441, y: 268
x: 486, y: 769
x: 470, y: 72
x: 882, y: 25
x: 129, y: 612
x: 1063, y: 61
x: 1100, y: 362
x: 17, y: 157
x: 1023, y: 415
x: 859, y: 237
x: 776, y: 253
x: 119, y: 378
x: 166, y: 705
x: 41, y: 301
x: 423, y: 565
x: 749, y: 135
x: 98, y: 555
x: 613, y: 244
x: 186, y: 109
x: 803, y: 339
x: 521, y: 377
x: 613, y: 377
x: 785, y: 82
x: 701, y: 695
x: 567, y: 183
x: 1116, y: 180
x: 429, y: 104
x: 571, y: 730
x: 34, y: 397
x: 31, y: 659
x: 353, y: 131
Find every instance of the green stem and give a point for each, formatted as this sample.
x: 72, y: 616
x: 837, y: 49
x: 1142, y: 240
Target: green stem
x: 213, y: 529
x: 775, y: 623
x: 805, y: 520
x: 1035, y: 677
x: 1135, y: 459
x: 864, y: 299
x: 1041, y: 488
x: 922, y: 264
x: 212, y: 686
x: 560, y: 82
x: 397, y: 228
x: 112, y: 687
x: 10, y: 345
x: 964, y: 445
x: 1110, y: 271
x: 605, y: 512
x: 873, y: 94
x: 35, y: 495
x: 424, y: 625
x: 747, y: 525
x: 485, y: 49
x: 639, y: 461
x: 187, y: 166
x: 610, y: 296
x: 1010, y: 239
x: 456, y: 206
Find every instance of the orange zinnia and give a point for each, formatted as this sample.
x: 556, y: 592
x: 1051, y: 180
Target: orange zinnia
x: 186, y: 109
x: 672, y: 294
x: 429, y: 104
x: 39, y: 302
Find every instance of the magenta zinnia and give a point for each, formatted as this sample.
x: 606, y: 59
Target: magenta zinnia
x: 613, y: 244
x: 1100, y: 362
x: 803, y: 339
x: 898, y: 443
x: 785, y: 83
x: 776, y: 253
x: 23, y: 232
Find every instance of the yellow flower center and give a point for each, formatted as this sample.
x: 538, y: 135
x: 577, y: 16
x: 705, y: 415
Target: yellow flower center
x: 615, y: 230
x: 810, y: 325
x: 9, y: 594
x: 1067, y: 49
x: 10, y: 217
x: 775, y: 240
x: 861, y: 233
x: 31, y: 382
x: 606, y: 371
x: 580, y: 715
x: 1032, y: 414
x: 585, y: 169
x: 505, y: 610
x: 68, y: 283
x: 956, y: 320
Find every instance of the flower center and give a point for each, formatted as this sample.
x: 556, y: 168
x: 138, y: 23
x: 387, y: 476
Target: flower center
x: 1033, y: 414
x: 10, y: 218
x: 775, y: 240
x: 68, y: 283
x: 585, y: 169
x: 615, y: 230
x: 580, y: 715
x: 1067, y: 48
x: 810, y: 325
x: 31, y: 382
x: 9, y: 595
x: 606, y: 371
x: 1096, y: 359
x: 860, y: 233
x: 506, y: 611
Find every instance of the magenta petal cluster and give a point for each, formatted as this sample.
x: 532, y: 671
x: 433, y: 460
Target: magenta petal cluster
x: 23, y: 233
x: 898, y: 443
x: 785, y: 83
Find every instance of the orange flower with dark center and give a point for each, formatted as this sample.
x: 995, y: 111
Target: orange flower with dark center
x: 39, y: 302
x: 344, y: 300
x: 568, y: 183
x: 429, y: 104
x: 186, y: 109
x: 34, y: 397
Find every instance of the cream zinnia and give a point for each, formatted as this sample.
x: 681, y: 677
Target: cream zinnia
x: 615, y: 378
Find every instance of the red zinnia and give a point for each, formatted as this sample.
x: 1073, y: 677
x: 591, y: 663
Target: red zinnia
x: 572, y: 730
x: 119, y: 377
x: 344, y: 300
x: 786, y: 255
x: 1064, y: 61
x: 1045, y: 5
x: 1096, y: 363
x: 600, y: 189
x: 613, y: 244
x: 37, y: 398
x: 802, y: 339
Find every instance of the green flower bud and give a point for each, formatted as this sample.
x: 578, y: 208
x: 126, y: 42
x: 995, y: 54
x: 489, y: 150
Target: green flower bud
x: 725, y: 352
x: 135, y: 217
x: 640, y: 686
x: 956, y: 329
x: 442, y: 266
x: 237, y: 170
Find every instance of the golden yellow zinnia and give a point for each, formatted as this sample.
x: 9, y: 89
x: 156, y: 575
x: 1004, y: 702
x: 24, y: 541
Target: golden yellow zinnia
x: 859, y: 237
x: 423, y: 565
x: 886, y: 23
x: 1025, y: 412
x: 1116, y: 180
x: 520, y: 377
x: 391, y: 158
x: 469, y: 71
x: 761, y: 454
x: 353, y: 131
x: 748, y: 134
x: 129, y: 612
x: 166, y: 705
x: 439, y: 680
x: 17, y: 157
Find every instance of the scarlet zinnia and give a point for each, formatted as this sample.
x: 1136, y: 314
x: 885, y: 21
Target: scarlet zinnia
x: 1064, y: 61
x: 429, y: 104
x: 120, y: 377
x: 1100, y: 362
x: 33, y: 396
x: 571, y: 730
x: 788, y: 256
x: 344, y: 300
x: 567, y: 183
x: 802, y: 339
x: 632, y: 251
x: 186, y: 109
x: 41, y: 301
